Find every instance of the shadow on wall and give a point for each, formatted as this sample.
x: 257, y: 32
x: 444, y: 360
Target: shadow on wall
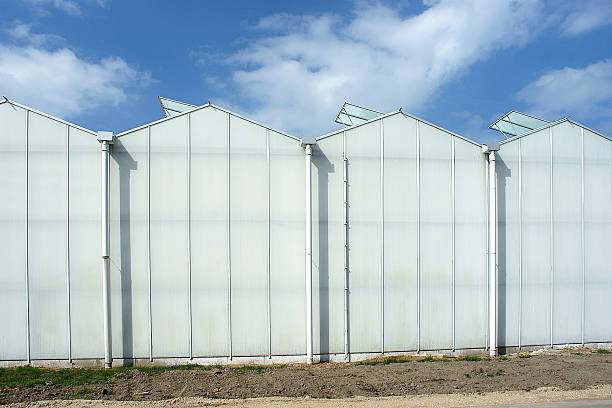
x: 324, y: 168
x: 503, y: 173
x: 126, y: 164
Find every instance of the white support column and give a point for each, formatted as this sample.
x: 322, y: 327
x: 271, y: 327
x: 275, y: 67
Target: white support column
x: 106, y: 138
x: 492, y: 254
x: 308, y: 162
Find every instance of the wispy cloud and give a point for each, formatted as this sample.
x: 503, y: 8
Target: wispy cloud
x: 299, y: 71
x: 70, y: 7
x: 37, y: 71
x: 586, y: 16
x: 584, y: 92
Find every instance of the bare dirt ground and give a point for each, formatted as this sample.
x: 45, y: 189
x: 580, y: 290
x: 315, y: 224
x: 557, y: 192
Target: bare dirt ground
x: 414, y: 401
x: 577, y: 374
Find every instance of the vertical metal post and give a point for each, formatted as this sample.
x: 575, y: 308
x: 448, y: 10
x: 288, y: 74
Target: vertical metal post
x: 346, y: 259
x: 149, y: 243
x: 189, y: 236
x: 492, y: 256
x: 582, y: 246
x: 487, y: 186
x: 552, y: 241
x: 520, y: 198
x: 418, y: 260
x: 453, y: 236
x: 229, y: 251
x: 382, y: 237
x: 27, y: 251
x: 108, y: 358
x: 268, y: 240
x: 68, y: 242
x: 308, y: 161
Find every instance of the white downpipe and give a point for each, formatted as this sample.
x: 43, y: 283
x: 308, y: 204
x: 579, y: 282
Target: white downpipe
x: 308, y: 151
x: 108, y: 359
x: 492, y: 256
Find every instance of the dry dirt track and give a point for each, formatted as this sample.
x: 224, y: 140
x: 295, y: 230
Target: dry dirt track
x: 438, y: 400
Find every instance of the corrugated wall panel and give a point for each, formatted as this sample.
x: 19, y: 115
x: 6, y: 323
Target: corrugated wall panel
x: 169, y: 274
x: 400, y: 229
x: 597, y: 236
x: 13, y: 342
x: 248, y: 238
x: 363, y: 145
x: 209, y: 283
x: 287, y: 246
x: 509, y: 241
x: 470, y: 323
x: 85, y: 242
x: 536, y: 243
x: 47, y: 238
x: 436, y: 238
x: 328, y: 246
x: 129, y: 265
x: 567, y: 302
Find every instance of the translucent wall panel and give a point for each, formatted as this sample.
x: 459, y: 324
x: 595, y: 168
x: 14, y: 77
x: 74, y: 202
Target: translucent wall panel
x: 363, y: 145
x: 400, y: 229
x: 12, y: 233
x: 328, y: 246
x: 470, y: 239
x: 47, y: 261
x: 248, y: 238
x: 567, y: 304
x: 597, y: 236
x: 209, y: 283
x: 508, y: 243
x: 287, y: 245
x: 129, y: 270
x: 169, y: 275
x: 536, y: 243
x: 436, y: 238
x: 85, y: 201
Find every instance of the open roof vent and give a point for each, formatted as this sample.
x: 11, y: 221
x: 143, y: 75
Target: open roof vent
x: 172, y: 107
x: 515, y: 123
x: 351, y: 115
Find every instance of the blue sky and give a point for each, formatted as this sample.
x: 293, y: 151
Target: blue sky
x: 457, y: 63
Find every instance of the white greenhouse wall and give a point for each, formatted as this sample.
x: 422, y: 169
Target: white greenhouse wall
x: 49, y: 238
x: 207, y: 224
x: 194, y: 277
x: 555, y: 217
x: 416, y: 238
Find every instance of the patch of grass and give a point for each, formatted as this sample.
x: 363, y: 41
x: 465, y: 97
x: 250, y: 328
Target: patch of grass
x: 432, y: 359
x: 578, y: 354
x: 603, y: 351
x: 255, y: 368
x: 473, y: 358
x: 162, y: 369
x: 502, y: 358
x: 392, y: 360
x: 30, y: 376
x: 524, y: 355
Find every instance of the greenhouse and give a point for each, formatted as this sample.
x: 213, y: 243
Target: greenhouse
x: 206, y: 237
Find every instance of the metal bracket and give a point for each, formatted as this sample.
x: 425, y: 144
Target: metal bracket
x: 106, y: 137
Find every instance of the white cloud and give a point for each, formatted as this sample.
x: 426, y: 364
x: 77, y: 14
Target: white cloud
x: 22, y: 33
x: 587, y: 16
x: 57, y: 81
x: 297, y: 75
x: 70, y: 7
x: 583, y: 92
